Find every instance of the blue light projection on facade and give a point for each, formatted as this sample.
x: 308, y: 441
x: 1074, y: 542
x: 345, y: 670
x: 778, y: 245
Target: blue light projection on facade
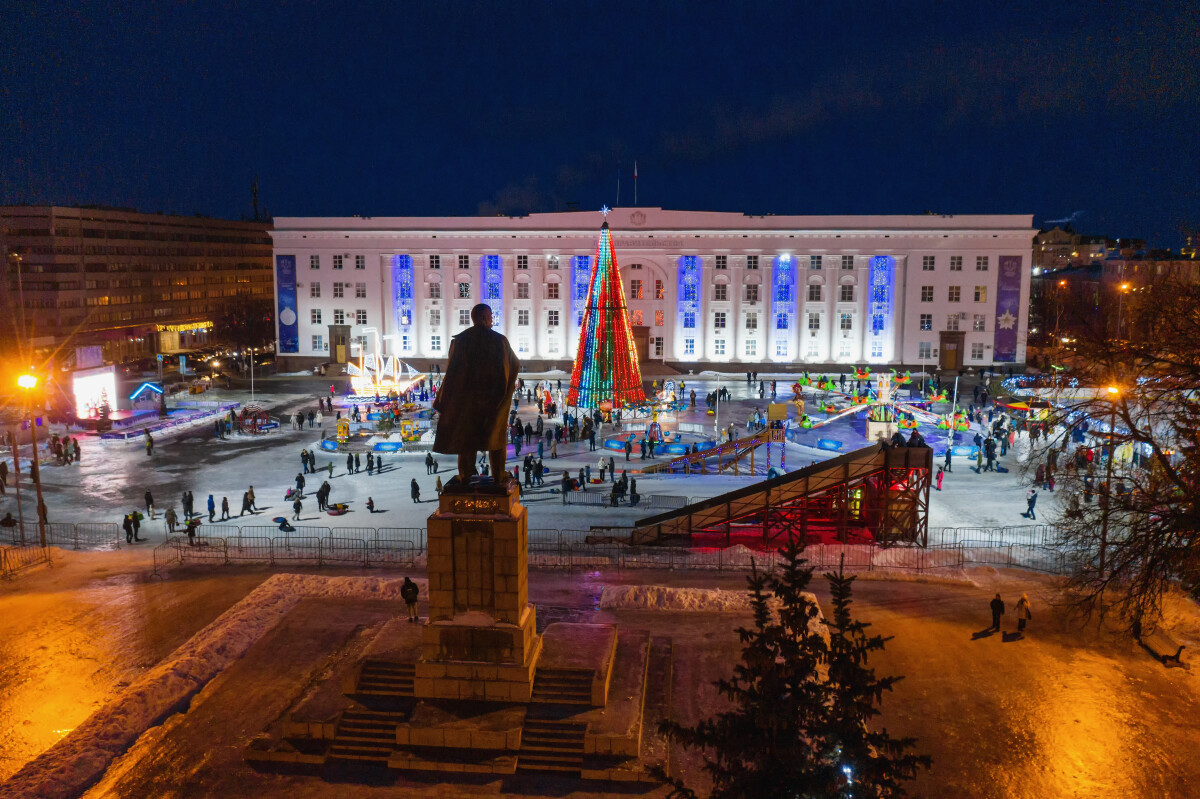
x: 783, y: 303
x: 402, y: 297
x: 492, y: 280
x: 581, y: 275
x: 879, y: 304
x: 689, y: 294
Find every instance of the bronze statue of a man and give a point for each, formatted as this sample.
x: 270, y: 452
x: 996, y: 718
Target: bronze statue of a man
x: 474, y: 399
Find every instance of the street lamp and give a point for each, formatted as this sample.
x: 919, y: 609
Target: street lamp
x: 1113, y: 392
x: 1120, y: 308
x: 28, y: 383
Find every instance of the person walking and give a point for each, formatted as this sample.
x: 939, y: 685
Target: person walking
x: 428, y: 463
x: 410, y: 592
x: 300, y: 486
x: 370, y: 462
x: 349, y: 463
x: 628, y: 448
x: 149, y: 444
x: 212, y: 509
x: 565, y: 485
x: 297, y: 506
x: 602, y: 465
x: 370, y: 505
x: 997, y: 611
x: 941, y: 474
x: 149, y: 504
x: 946, y: 465
x: 136, y: 518
x: 246, y: 508
x: 172, y: 519
x: 224, y: 508
x: 415, y: 490
x: 250, y: 493
x: 437, y: 485
x: 1023, y: 614
x: 127, y: 523
x: 1031, y: 500
x: 357, y: 463
x: 612, y: 468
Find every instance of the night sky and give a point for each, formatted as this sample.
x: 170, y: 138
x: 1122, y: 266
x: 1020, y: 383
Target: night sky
x: 404, y: 108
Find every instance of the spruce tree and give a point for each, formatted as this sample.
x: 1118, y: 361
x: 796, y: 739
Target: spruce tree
x: 794, y: 728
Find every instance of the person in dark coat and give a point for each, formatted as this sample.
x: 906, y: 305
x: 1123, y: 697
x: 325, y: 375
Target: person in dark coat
x: 410, y: 592
x: 246, y: 504
x: 127, y: 523
x: 297, y: 506
x: 212, y: 509
x: 997, y: 612
x: 137, y: 525
x: 415, y: 490
x: 357, y: 463
x: 300, y: 485
x: 350, y: 463
x: 473, y: 402
x: 149, y: 504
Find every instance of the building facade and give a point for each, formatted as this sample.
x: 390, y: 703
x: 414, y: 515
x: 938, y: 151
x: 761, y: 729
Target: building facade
x: 132, y: 283
x: 757, y: 292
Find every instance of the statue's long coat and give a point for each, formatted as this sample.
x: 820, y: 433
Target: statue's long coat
x: 476, y: 395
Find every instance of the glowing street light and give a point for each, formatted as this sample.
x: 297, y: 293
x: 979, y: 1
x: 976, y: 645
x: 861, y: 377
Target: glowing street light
x: 29, y: 382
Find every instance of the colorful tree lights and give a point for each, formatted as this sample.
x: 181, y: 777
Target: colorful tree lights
x: 606, y: 363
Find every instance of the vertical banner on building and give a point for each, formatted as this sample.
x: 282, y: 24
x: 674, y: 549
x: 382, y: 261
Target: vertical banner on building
x: 285, y: 286
x: 1008, y: 309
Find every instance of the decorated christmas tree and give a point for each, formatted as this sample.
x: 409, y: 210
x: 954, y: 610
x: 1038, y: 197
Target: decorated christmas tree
x: 606, y: 363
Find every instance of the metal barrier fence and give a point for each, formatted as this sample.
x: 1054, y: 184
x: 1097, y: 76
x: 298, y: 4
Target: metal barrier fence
x: 647, y: 501
x: 64, y: 534
x: 290, y: 550
x: 15, y: 559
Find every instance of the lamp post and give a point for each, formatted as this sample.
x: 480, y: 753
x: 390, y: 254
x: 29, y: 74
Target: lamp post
x: 1113, y: 392
x: 1124, y: 287
x: 29, y: 382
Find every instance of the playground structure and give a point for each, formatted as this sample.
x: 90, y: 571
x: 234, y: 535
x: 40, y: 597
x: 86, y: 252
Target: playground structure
x: 377, y: 375
x: 729, y: 455
x: 877, y: 493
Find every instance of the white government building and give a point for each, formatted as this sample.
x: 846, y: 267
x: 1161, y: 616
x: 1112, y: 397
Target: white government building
x: 702, y: 287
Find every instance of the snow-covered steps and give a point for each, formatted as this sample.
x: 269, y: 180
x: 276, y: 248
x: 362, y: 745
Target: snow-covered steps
x: 385, y: 678
x: 551, y: 745
x: 366, y: 735
x: 562, y: 687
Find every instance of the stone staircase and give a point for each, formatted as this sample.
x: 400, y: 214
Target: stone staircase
x: 366, y: 735
x: 551, y: 745
x: 562, y: 687
x: 385, y: 678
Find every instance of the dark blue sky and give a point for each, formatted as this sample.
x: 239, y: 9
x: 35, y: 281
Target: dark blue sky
x: 402, y: 108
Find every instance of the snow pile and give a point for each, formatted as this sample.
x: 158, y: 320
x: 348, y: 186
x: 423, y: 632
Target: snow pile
x: 79, y: 759
x: 661, y: 597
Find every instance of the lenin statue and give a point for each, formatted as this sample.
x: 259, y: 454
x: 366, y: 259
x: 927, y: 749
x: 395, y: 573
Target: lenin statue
x: 476, y: 395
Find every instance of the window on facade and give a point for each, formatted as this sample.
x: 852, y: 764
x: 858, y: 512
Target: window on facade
x: 952, y: 322
x: 522, y: 262
x: 981, y: 263
x: 658, y: 346
x: 814, y: 293
x: 318, y: 343
x: 781, y: 349
x: 927, y: 321
x: 721, y: 262
x: 435, y: 343
x: 551, y: 318
x: 314, y: 262
x: 812, y: 349
x: 339, y: 290
x: 464, y: 291
x: 980, y: 322
x: 781, y: 321
x: 752, y: 293
x: 552, y: 262
x: 435, y: 262
x: 404, y: 343
x: 435, y: 291
x: 337, y: 262
x: 552, y: 346
x: 405, y: 317
x: 877, y: 349
x: 719, y: 320
x: 847, y: 262
x: 659, y: 317
x: 339, y: 316
x: 464, y: 262
x: 752, y: 262
x: 981, y: 294
x: 360, y: 262
x: 635, y: 266
x: 927, y: 263
x: 926, y: 293
x: 720, y: 292
x: 314, y: 290
x: 360, y: 290
x: 847, y: 294
x: 689, y: 293
x: 814, y: 262
x: 522, y: 291
x: 579, y: 319
x: 752, y: 321
x: 689, y: 319
x: 314, y: 316
x: 925, y: 350
x: 954, y: 294
x: 955, y: 263
x: 435, y: 318
x: 360, y: 317
x: 847, y: 322
x: 552, y: 291
x: 751, y: 347
x: 522, y: 317
x: 976, y: 352
x: 814, y: 321
x: 491, y: 291
x: 719, y: 346
x: 783, y: 294
x: 464, y: 317
x: 660, y: 291
x: 635, y: 289
x: 689, y: 346
x: 635, y: 318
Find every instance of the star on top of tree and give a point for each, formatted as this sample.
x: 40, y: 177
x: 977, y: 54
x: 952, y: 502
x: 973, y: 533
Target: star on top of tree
x: 604, y: 209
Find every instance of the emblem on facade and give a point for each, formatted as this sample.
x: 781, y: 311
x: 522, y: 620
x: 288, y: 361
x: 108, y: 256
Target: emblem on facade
x: 637, y: 219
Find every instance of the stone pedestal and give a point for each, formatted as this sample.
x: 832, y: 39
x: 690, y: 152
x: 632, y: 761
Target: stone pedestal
x: 481, y: 641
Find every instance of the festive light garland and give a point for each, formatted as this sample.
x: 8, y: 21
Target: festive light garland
x: 606, y: 362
